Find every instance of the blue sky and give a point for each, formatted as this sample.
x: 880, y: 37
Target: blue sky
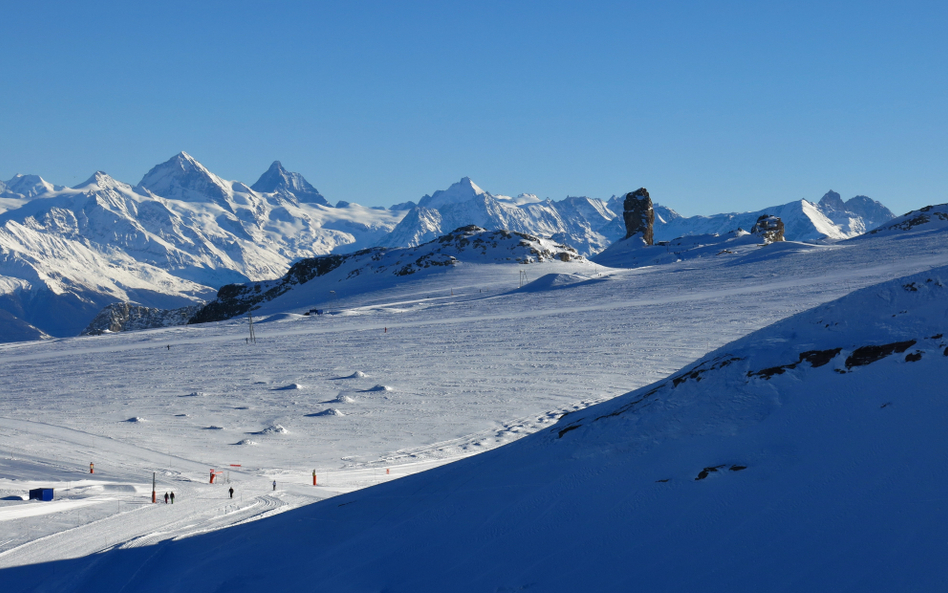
x: 713, y: 106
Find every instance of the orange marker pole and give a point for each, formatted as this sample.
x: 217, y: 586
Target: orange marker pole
x: 91, y: 468
x: 314, y: 477
x: 386, y: 471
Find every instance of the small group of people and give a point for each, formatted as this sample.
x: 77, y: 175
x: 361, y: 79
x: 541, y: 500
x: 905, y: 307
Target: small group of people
x: 172, y: 497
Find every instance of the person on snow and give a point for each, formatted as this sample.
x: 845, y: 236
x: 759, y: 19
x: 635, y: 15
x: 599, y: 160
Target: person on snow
x: 166, y: 498
x: 274, y: 485
x: 172, y: 497
x: 232, y: 492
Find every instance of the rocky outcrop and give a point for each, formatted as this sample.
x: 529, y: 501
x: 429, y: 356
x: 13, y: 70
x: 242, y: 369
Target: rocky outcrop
x: 638, y: 215
x: 768, y: 228
x: 236, y: 299
x: 119, y: 317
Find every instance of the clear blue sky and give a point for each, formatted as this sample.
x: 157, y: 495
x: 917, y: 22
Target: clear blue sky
x: 713, y: 106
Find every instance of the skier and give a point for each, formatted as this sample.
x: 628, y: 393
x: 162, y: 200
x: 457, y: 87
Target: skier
x: 232, y: 492
x: 166, y: 498
x: 274, y: 485
x: 172, y: 497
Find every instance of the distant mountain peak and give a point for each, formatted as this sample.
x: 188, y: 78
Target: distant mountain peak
x: 183, y: 177
x: 462, y: 191
x: 25, y: 186
x: 831, y: 201
x: 99, y: 179
x: 278, y: 179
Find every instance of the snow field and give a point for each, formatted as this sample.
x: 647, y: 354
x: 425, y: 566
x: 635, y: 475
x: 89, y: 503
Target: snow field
x: 471, y: 362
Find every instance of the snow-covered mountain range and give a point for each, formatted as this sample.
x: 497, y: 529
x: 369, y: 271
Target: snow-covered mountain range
x: 168, y: 242
x: 182, y: 232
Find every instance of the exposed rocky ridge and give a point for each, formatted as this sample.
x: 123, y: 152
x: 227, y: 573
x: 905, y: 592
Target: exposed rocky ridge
x: 119, y: 317
x: 467, y: 244
x: 927, y: 218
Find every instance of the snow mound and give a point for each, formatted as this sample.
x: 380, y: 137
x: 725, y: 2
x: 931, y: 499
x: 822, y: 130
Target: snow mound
x: 378, y: 388
x: 282, y: 317
x: 195, y: 394
x: 245, y: 442
x: 355, y: 375
x: 289, y: 387
x: 212, y: 427
x: 326, y: 412
x: 343, y: 399
x: 272, y: 429
x: 554, y: 281
x: 136, y: 419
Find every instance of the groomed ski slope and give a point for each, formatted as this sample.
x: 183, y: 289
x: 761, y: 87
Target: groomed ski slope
x: 421, y: 376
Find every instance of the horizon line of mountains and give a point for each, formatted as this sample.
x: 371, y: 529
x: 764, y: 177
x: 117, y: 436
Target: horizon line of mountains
x: 183, y: 232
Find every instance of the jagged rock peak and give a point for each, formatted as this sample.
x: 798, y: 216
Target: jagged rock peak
x: 832, y: 201
x: 769, y: 228
x: 638, y: 215
x: 278, y: 179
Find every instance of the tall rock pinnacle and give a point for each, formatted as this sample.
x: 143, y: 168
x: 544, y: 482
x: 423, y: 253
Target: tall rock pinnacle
x: 638, y: 215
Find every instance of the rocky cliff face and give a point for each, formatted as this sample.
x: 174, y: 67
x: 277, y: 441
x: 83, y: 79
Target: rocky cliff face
x: 119, y: 317
x: 638, y: 215
x: 768, y: 228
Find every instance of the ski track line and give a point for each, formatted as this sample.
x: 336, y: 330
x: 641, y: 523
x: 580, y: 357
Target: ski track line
x: 152, y: 525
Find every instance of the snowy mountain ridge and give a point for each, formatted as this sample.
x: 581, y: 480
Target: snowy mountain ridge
x: 365, y: 269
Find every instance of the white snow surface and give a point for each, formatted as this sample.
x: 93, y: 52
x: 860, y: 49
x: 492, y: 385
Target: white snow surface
x: 827, y: 477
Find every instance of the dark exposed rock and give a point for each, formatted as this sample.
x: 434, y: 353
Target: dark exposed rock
x: 769, y: 228
x: 913, y: 357
x: 237, y: 299
x: 869, y: 354
x: 128, y: 317
x: 816, y: 358
x: 706, y: 471
x: 638, y: 215
x: 699, y: 370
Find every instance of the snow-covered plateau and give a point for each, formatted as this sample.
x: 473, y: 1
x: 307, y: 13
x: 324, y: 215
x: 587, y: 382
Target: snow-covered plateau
x: 179, y: 235
x: 765, y: 417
